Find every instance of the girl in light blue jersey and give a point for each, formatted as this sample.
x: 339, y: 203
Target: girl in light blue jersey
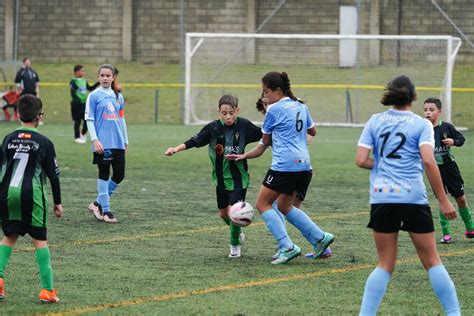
x: 285, y: 126
x: 108, y: 131
x: 402, y: 146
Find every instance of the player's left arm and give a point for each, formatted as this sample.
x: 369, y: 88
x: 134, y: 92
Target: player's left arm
x: 123, y: 124
x: 51, y: 168
x: 457, y: 138
x: 253, y: 133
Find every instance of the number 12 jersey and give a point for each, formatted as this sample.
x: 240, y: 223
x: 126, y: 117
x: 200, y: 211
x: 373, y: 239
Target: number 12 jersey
x: 395, y: 138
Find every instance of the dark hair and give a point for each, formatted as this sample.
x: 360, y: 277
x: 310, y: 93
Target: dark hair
x: 78, y: 67
x: 274, y: 80
x: 25, y: 59
x: 259, y: 105
x: 436, y: 101
x: 29, y: 107
x: 228, y: 99
x: 399, y: 91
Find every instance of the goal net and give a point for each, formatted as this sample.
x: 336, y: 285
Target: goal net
x: 340, y: 77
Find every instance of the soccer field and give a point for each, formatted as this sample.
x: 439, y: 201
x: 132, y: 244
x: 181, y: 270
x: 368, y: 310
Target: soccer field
x: 168, y: 253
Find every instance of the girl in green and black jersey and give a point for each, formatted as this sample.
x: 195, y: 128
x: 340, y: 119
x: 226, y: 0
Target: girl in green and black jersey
x: 227, y: 135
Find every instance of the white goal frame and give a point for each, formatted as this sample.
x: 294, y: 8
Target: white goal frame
x: 452, y: 44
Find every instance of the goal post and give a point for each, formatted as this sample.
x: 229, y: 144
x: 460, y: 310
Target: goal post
x: 234, y: 63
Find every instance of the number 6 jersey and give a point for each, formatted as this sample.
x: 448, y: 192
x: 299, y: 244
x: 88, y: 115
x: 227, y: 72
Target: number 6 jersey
x: 27, y: 158
x: 395, y: 138
x: 288, y: 121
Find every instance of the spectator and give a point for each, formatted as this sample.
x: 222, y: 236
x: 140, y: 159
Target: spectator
x: 10, y: 98
x: 27, y: 80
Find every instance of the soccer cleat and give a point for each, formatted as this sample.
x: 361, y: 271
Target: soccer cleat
x: 286, y: 256
x: 83, y: 139
x: 2, y: 289
x: 47, y: 296
x: 322, y: 245
x: 235, y: 251
x: 326, y: 254
x: 469, y: 234
x: 241, y: 236
x: 108, y: 217
x: 96, y: 210
x: 447, y: 239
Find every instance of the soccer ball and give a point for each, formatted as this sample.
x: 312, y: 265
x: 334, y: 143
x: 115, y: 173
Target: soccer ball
x: 242, y: 214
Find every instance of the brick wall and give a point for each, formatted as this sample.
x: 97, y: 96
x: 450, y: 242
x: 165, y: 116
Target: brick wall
x: 53, y: 30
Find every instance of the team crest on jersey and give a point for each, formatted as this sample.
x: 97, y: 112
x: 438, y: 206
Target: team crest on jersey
x: 237, y: 135
x: 24, y: 135
x: 219, y: 149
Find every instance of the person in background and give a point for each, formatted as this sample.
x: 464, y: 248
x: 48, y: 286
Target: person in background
x: 10, y: 99
x: 105, y: 118
x: 79, y: 88
x: 446, y: 136
x: 27, y: 79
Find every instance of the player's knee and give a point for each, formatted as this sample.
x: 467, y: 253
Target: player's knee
x: 461, y: 201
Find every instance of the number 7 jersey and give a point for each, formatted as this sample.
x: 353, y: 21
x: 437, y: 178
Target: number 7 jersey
x: 27, y: 158
x: 395, y: 138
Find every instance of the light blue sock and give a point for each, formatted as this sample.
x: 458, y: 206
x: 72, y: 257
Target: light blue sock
x: 280, y: 214
x: 306, y: 226
x: 277, y: 229
x: 112, y: 187
x: 444, y: 289
x: 374, y: 291
x: 103, y: 198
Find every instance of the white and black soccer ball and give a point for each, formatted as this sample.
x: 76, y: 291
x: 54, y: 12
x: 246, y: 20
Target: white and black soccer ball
x: 242, y: 214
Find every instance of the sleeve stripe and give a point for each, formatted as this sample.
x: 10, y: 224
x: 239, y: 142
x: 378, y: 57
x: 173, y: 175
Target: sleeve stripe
x: 365, y: 146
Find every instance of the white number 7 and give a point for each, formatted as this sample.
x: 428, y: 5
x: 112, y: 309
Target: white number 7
x: 20, y: 169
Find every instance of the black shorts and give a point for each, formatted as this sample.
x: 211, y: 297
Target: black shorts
x: 452, y: 180
x: 226, y: 198
x: 11, y: 228
x: 288, y: 182
x: 78, y: 111
x: 391, y: 218
x: 109, y: 156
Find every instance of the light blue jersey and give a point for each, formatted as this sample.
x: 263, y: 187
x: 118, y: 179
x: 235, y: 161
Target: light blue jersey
x: 288, y: 121
x: 107, y: 112
x: 395, y: 138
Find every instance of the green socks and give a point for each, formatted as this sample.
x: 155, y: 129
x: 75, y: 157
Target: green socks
x: 444, y: 224
x: 44, y: 262
x: 234, y: 232
x: 5, y: 252
x: 465, y: 213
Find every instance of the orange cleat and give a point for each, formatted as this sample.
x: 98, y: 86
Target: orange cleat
x: 2, y: 289
x: 49, y: 296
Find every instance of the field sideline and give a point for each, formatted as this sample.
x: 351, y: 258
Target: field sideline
x: 168, y: 254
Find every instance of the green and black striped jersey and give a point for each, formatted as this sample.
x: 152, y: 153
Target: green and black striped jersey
x: 224, y: 140
x: 27, y: 158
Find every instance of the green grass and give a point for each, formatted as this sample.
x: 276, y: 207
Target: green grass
x: 168, y: 254
x: 140, y: 93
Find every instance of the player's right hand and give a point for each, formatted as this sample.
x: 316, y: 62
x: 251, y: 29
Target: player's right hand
x: 448, y: 209
x: 58, y: 210
x: 170, y: 151
x: 98, y: 148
